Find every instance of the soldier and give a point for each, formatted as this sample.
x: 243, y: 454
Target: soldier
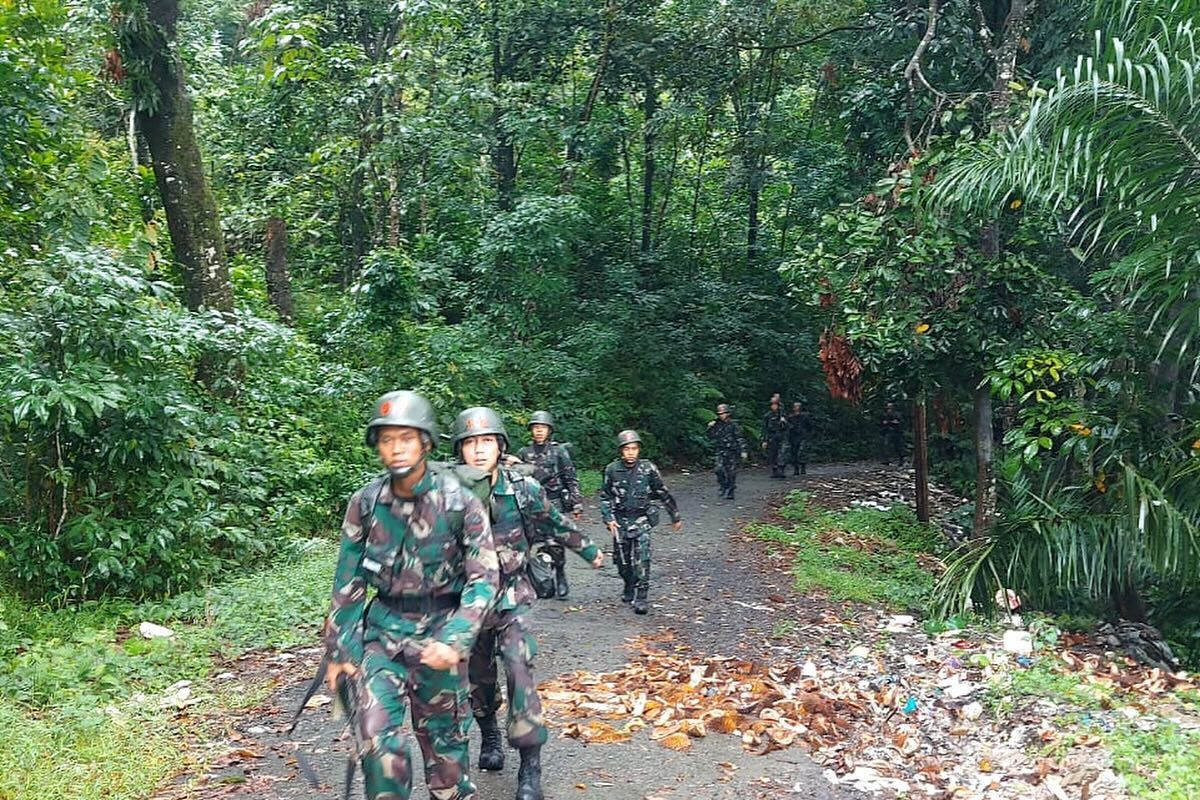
x: 521, y: 514
x: 799, y: 429
x: 890, y: 427
x: 424, y: 543
x: 727, y: 436
x: 774, y: 436
x: 630, y: 483
x: 554, y: 470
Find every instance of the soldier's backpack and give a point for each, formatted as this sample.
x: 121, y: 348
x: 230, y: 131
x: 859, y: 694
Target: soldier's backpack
x: 539, y: 567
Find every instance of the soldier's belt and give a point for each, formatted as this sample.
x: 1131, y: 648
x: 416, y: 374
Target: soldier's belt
x: 637, y: 512
x: 420, y: 604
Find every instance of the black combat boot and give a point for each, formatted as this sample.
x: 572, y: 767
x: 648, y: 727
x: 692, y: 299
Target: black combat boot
x: 640, y: 606
x: 804, y: 469
x: 529, y: 776
x: 491, y: 744
x: 560, y: 577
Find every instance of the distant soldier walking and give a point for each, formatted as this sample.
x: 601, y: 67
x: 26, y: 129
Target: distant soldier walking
x: 774, y: 436
x: 799, y: 431
x: 521, y: 514
x: 424, y: 543
x: 892, y: 430
x: 726, y: 435
x: 630, y: 484
x: 554, y: 470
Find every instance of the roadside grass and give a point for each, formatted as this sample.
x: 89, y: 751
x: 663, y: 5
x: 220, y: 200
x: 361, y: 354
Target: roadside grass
x: 1163, y: 763
x: 589, y: 481
x: 80, y: 692
x: 863, y: 555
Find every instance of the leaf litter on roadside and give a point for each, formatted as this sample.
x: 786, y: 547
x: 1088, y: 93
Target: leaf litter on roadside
x: 916, y: 731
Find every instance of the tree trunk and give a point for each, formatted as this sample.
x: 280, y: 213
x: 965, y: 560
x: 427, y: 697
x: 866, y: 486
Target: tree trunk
x: 649, y: 108
x: 921, y: 459
x: 753, y: 190
x: 279, y: 281
x: 504, y: 157
x: 985, y: 478
x: 166, y: 123
x: 1005, y: 57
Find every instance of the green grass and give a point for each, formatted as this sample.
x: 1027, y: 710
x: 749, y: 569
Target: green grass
x: 1040, y: 680
x: 79, y: 713
x: 1163, y: 764
x: 862, y: 555
x: 589, y: 481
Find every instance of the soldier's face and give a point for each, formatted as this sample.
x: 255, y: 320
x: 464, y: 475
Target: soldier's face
x: 629, y: 452
x: 540, y: 432
x: 482, y: 452
x: 723, y: 415
x: 400, y: 448
x: 795, y: 408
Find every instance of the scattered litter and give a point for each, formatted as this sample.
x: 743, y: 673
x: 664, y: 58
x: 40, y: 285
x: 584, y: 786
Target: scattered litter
x: 149, y: 630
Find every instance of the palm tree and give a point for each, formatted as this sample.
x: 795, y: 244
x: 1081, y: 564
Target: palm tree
x: 1115, y: 144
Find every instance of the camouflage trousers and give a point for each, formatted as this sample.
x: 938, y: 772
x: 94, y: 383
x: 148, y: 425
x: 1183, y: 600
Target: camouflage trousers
x: 727, y: 466
x: 506, y: 634
x: 631, y: 552
x: 394, y: 681
x: 777, y: 455
x: 797, y: 454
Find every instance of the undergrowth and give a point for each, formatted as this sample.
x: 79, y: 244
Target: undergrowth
x: 80, y: 691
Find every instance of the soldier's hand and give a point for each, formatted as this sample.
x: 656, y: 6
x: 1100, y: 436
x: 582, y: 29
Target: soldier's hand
x: 612, y: 526
x: 439, y: 656
x: 598, y: 561
x: 511, y: 460
x: 335, y: 670
x: 745, y: 455
x: 677, y: 525
x: 763, y: 445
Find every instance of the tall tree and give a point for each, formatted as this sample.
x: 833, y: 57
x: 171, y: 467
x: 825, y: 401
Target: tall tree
x: 146, y: 32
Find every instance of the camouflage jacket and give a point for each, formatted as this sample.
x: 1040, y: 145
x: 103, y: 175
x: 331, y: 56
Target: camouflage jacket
x: 727, y: 436
x: 774, y: 425
x: 799, y: 427
x: 435, y: 544
x: 522, y: 514
x: 627, y: 491
x: 555, y: 471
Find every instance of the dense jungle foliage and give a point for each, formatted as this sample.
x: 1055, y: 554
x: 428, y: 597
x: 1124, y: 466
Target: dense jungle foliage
x: 226, y: 227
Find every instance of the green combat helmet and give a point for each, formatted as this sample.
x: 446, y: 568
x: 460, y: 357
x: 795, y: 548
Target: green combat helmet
x: 478, y: 421
x: 722, y: 408
x: 541, y: 418
x: 627, y: 437
x: 402, y: 410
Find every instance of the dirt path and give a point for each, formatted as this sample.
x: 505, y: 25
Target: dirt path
x: 703, y: 590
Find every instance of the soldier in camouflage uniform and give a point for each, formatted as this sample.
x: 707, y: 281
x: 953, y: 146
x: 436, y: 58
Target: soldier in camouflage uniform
x: 731, y: 446
x: 774, y: 436
x: 892, y: 429
x: 799, y: 430
x: 630, y: 484
x: 521, y: 514
x: 424, y: 543
x: 554, y: 470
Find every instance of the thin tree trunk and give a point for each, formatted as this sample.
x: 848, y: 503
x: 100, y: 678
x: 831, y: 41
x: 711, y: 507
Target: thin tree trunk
x: 669, y: 186
x: 693, y: 221
x: 985, y: 478
x: 1005, y: 57
x: 166, y: 123
x: 921, y: 459
x: 504, y: 158
x: 649, y: 108
x: 279, y: 281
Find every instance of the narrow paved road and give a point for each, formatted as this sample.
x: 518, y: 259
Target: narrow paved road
x: 701, y: 589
